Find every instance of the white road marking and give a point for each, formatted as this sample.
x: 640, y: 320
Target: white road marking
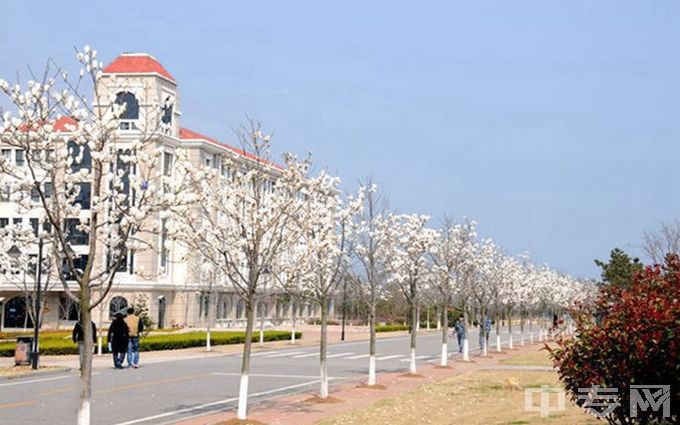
x: 360, y: 356
x: 31, y: 381
x: 214, y: 403
x: 302, y: 356
x: 417, y: 358
x: 338, y: 355
x: 395, y: 356
x: 264, y: 375
x: 271, y: 356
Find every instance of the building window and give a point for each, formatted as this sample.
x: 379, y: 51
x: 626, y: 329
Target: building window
x: 80, y: 155
x: 83, y: 193
x: 7, y: 155
x: 203, y: 305
x: 4, y: 222
x: 79, y: 263
x: 34, y: 225
x: 68, y: 309
x: 163, y: 249
x: 167, y: 164
x: 166, y: 117
x: 117, y: 305
x: 239, y: 309
x: 223, y: 306
x: 74, y: 234
x: 47, y: 189
x: 17, y: 221
x: 7, y: 192
x: 19, y: 157
x: 131, y: 112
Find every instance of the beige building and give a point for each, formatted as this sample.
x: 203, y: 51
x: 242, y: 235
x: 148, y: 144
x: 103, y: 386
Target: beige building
x: 158, y: 277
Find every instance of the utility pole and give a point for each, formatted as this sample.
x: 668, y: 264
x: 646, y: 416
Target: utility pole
x: 36, y: 322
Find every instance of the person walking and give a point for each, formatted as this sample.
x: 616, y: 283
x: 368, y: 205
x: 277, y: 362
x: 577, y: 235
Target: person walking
x: 459, y: 328
x: 135, y: 329
x: 78, y: 337
x: 117, y: 340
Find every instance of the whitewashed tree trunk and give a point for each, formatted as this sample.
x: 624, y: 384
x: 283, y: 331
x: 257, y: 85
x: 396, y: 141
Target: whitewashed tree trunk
x: 510, y: 341
x: 371, y: 347
x: 323, y: 347
x: 414, y: 332
x: 466, y: 350
x: 445, y: 337
x: 245, y: 363
x: 498, y: 343
x: 86, y: 367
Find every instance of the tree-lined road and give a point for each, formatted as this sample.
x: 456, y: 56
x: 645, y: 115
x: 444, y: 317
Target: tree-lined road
x: 165, y: 392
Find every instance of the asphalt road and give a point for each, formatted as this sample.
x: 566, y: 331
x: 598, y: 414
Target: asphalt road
x: 166, y: 392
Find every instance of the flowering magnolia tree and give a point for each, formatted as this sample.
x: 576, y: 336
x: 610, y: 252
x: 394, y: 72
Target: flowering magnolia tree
x: 409, y: 243
x: 368, y: 233
x: 320, y: 255
x: 240, y: 218
x: 92, y: 188
x: 453, y: 258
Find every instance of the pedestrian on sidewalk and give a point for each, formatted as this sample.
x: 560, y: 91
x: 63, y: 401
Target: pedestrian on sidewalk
x: 459, y: 328
x: 78, y: 337
x: 117, y: 340
x: 135, y: 329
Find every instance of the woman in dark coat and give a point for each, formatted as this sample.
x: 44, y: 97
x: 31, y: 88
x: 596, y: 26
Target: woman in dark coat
x: 118, y: 340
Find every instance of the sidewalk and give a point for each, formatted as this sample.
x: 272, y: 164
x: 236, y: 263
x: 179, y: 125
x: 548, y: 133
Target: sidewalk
x: 303, y: 409
x: 311, y: 335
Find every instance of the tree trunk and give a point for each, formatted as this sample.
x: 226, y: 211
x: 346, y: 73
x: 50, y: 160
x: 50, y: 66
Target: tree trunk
x: 466, y: 341
x: 414, y: 332
x: 292, y: 333
x: 482, y: 331
x: 262, y: 309
x: 323, y: 346
x: 245, y: 361
x: 439, y: 318
x: 498, y: 330
x: 509, y: 316
x: 86, y: 366
x: 101, y: 329
x: 208, y: 347
x: 417, y: 316
x: 445, y: 335
x: 371, y: 346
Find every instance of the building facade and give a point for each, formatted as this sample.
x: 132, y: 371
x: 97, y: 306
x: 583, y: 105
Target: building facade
x: 158, y: 278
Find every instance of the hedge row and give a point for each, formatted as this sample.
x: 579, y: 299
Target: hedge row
x: 392, y: 328
x: 60, y: 346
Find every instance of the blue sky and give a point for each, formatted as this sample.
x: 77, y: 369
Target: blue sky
x: 554, y: 124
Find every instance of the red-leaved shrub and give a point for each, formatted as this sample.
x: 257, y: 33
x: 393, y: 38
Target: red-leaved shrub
x: 630, y: 336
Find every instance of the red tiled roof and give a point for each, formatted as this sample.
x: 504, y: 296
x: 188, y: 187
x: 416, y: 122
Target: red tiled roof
x: 137, y: 63
x: 64, y: 124
x: 186, y: 134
